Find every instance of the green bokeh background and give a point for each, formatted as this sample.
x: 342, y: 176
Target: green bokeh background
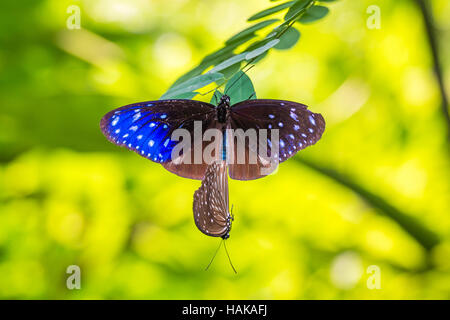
x: 374, y: 191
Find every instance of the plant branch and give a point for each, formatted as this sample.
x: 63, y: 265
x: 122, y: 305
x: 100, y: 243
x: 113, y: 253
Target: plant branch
x: 425, y: 237
x: 433, y: 42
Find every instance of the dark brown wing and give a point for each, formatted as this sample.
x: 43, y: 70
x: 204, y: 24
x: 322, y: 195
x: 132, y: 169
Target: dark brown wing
x: 298, y: 128
x: 185, y: 166
x: 211, y: 214
x: 245, y: 161
x: 147, y: 127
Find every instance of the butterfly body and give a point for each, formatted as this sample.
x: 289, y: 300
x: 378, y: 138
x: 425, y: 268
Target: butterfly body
x: 223, y: 109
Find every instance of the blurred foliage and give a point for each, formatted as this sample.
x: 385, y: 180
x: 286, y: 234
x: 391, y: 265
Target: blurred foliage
x: 374, y: 191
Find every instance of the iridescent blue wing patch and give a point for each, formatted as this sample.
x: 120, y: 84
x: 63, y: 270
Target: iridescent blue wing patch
x: 146, y: 127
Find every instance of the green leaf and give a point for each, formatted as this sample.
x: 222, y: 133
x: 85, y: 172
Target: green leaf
x: 288, y: 39
x: 240, y: 88
x: 192, y: 84
x: 260, y: 57
x: 270, y: 11
x: 225, y: 52
x: 277, y: 30
x: 314, y: 13
x: 190, y: 74
x: 261, y: 49
x: 250, y: 31
x: 231, y: 70
x: 212, y: 59
x: 186, y: 95
x: 216, y: 97
x: 218, y: 56
x: 296, y: 8
x: 255, y: 46
x: 229, y: 62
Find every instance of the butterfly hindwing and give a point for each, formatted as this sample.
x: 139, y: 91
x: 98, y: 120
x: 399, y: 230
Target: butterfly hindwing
x: 146, y: 127
x: 211, y: 214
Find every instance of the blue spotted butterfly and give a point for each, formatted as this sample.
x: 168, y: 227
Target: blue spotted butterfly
x: 146, y: 128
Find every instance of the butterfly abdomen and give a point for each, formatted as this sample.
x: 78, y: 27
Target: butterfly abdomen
x: 224, y: 146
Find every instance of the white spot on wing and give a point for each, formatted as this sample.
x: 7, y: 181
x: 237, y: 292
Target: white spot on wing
x: 136, y: 116
x: 293, y: 116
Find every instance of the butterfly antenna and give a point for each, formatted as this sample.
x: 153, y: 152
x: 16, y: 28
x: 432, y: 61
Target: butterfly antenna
x: 214, y: 255
x: 243, y: 72
x: 229, y: 259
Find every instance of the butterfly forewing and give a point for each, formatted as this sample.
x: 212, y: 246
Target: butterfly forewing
x: 298, y: 128
x: 146, y: 127
x: 186, y: 165
x: 211, y: 214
